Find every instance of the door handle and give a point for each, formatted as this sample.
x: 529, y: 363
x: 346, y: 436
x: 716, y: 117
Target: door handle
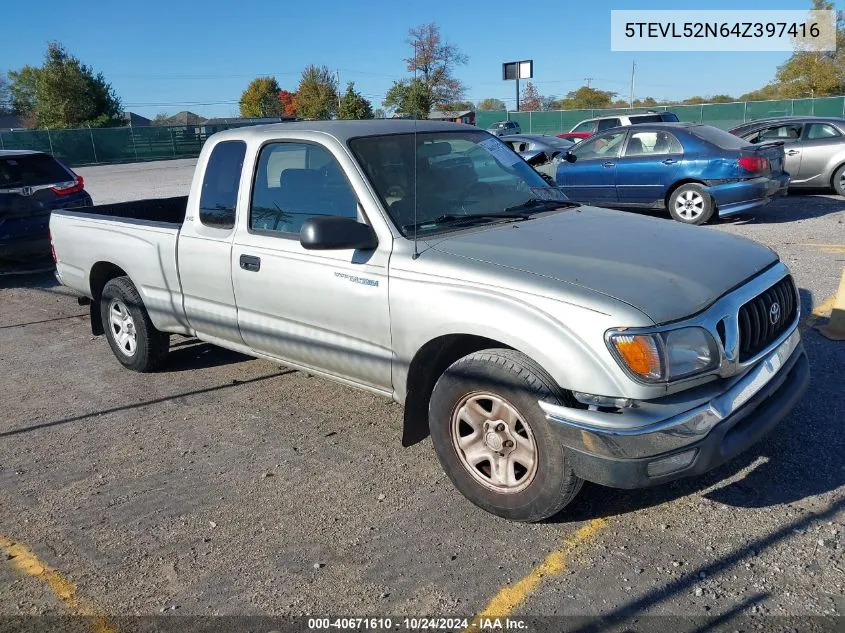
x: 669, y: 161
x: 250, y: 263
x: 792, y: 152
x: 608, y: 164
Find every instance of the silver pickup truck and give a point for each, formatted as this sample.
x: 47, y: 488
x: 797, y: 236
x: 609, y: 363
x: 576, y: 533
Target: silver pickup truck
x: 541, y: 343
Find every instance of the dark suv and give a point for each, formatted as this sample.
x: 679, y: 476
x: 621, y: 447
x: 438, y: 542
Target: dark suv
x: 32, y: 184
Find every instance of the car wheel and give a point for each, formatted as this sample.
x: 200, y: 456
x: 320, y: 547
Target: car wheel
x: 130, y: 333
x: 690, y: 204
x: 492, y: 437
x: 839, y: 180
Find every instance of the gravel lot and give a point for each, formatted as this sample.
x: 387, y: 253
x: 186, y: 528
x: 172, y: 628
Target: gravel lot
x: 227, y: 485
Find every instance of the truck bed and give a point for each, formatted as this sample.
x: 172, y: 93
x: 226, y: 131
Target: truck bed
x: 167, y: 210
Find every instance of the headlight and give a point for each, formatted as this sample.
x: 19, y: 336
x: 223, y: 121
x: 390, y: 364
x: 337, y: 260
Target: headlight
x: 665, y: 355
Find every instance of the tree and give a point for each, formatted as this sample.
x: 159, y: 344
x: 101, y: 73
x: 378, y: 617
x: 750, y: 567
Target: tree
x: 457, y: 106
x: 807, y: 74
x: 433, y: 64
x: 549, y: 102
x: 288, y: 100
x: 491, y: 104
x: 722, y: 99
x: 261, y: 98
x: 64, y: 93
x: 5, y: 96
x: 531, y: 99
x: 380, y: 114
x: 353, y: 105
x: 316, y: 96
x: 586, y: 98
x: 161, y: 119
x: 411, y: 98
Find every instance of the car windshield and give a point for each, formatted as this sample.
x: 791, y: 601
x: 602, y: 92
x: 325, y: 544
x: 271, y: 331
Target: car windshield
x: 429, y: 180
x: 31, y: 170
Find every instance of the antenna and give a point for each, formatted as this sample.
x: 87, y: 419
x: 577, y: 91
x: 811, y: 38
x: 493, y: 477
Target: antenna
x: 414, y: 150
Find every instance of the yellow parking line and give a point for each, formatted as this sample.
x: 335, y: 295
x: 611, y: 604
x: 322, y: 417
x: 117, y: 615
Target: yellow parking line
x: 511, y: 596
x: 21, y: 558
x: 819, y: 312
x: 834, y: 249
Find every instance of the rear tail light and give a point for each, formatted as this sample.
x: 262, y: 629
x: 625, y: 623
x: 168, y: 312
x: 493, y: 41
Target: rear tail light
x: 753, y: 163
x: 52, y: 248
x: 71, y: 187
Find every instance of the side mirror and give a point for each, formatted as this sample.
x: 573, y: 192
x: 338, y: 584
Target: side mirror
x: 336, y: 234
x: 569, y: 157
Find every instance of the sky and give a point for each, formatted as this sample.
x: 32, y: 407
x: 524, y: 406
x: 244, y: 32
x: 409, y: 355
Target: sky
x: 167, y: 56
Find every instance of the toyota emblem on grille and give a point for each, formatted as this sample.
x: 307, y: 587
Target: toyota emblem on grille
x: 774, y: 313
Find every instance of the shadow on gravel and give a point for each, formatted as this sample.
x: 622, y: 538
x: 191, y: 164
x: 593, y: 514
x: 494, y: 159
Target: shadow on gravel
x: 145, y: 403
x: 189, y: 355
x: 685, y: 583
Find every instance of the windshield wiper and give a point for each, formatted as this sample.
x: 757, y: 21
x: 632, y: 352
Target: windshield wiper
x: 468, y: 220
x: 534, y: 202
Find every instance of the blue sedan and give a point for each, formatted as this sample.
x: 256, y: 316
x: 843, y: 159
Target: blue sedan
x: 694, y: 171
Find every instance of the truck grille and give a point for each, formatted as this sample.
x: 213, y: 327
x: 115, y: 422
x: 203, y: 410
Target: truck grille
x: 766, y: 317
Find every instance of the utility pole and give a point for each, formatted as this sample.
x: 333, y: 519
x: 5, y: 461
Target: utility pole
x: 588, y: 80
x: 633, y: 69
x: 337, y: 74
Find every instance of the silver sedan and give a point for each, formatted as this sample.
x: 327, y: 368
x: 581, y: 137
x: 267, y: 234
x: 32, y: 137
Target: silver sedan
x: 814, y: 148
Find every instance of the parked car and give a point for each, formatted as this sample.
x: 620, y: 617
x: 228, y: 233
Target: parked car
x: 814, y: 148
x: 695, y: 171
x: 540, y: 342
x: 32, y: 184
x: 588, y: 127
x: 503, y: 128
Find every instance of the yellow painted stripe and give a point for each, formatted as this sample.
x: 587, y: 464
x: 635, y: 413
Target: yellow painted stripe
x: 822, y: 310
x: 835, y: 249
x: 21, y: 558
x: 511, y: 596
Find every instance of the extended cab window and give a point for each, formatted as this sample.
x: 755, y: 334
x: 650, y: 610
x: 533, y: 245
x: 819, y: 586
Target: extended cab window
x: 606, y: 124
x: 297, y: 181
x: 220, y: 184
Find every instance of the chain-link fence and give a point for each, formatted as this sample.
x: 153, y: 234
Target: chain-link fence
x: 723, y: 115
x: 116, y: 145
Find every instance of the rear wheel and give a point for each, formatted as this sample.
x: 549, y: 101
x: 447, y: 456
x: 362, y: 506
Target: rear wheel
x: 839, y: 180
x: 492, y: 437
x: 690, y: 204
x: 131, y: 335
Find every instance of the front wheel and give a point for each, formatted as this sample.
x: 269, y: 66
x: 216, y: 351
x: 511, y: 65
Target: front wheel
x: 839, y: 180
x: 493, y: 440
x: 690, y: 204
x: 136, y: 343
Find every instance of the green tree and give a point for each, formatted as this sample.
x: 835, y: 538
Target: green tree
x: 491, y: 104
x: 316, y: 96
x: 160, y: 119
x: 531, y: 99
x: 353, y: 105
x: 411, y: 98
x: 807, y: 74
x: 457, y: 106
x: 261, y: 98
x: 586, y: 97
x: 722, y: 99
x: 64, y: 93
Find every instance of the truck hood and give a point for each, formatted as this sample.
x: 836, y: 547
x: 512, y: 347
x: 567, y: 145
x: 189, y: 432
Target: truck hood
x: 665, y: 269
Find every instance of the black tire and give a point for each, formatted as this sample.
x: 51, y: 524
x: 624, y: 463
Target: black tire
x: 150, y: 345
x: 700, y: 212
x: 515, y: 378
x: 838, y: 181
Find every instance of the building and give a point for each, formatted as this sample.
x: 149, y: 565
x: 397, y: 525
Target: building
x: 462, y: 116
x: 136, y: 120
x: 183, y: 118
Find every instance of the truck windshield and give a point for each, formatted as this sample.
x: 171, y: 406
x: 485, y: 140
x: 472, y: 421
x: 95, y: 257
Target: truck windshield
x: 427, y: 180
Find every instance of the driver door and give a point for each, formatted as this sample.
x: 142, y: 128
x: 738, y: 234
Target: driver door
x: 592, y: 177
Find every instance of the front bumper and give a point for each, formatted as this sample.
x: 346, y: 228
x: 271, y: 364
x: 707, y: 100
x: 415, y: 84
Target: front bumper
x: 736, y: 197
x: 621, y: 450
